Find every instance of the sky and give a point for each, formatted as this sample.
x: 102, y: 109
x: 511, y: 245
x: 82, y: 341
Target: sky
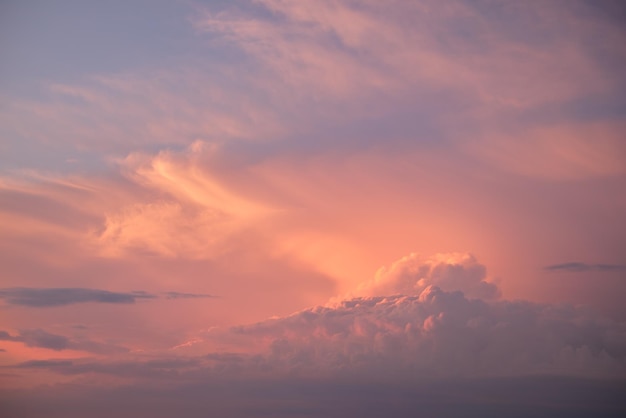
x: 312, y: 208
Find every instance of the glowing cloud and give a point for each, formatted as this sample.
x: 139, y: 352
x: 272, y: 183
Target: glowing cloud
x: 411, y: 326
x: 414, y: 273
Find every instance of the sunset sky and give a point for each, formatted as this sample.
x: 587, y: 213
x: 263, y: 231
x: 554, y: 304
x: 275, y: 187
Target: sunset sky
x: 312, y: 208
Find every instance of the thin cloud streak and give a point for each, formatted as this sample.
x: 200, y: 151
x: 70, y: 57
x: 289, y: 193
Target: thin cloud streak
x: 52, y: 297
x: 41, y: 339
x: 179, y: 295
x: 577, y: 267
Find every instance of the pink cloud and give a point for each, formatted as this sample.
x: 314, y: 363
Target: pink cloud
x: 412, y: 274
x: 345, y: 48
x: 429, y: 333
x: 347, y: 133
x: 426, y: 331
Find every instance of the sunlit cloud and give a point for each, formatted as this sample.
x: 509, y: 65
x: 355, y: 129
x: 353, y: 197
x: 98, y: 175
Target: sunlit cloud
x: 417, y: 329
x: 412, y: 274
x: 251, y: 174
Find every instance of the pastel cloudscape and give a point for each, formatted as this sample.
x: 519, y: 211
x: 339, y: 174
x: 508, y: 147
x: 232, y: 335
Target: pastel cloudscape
x: 267, y: 207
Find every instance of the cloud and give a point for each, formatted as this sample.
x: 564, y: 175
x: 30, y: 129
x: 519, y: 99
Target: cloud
x: 486, y: 53
x: 186, y: 199
x: 43, y: 339
x: 38, y: 338
x: 412, y: 274
x: 163, y: 368
x: 422, y: 317
x: 556, y: 151
x: 436, y: 316
x: 439, y: 333
x: 424, y: 56
x: 585, y: 267
x: 37, y: 364
x: 431, y: 348
x: 50, y: 297
x: 179, y: 295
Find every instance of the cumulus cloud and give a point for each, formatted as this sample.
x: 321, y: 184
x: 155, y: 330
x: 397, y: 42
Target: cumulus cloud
x: 444, y: 334
x: 49, y: 297
x: 420, y: 317
x: 433, y: 350
x: 438, y: 316
x: 436, y: 334
x: 412, y: 274
x: 585, y: 267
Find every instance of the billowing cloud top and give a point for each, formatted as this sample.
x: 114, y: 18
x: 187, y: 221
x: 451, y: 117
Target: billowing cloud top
x: 417, y: 332
x: 423, y: 317
x: 412, y: 274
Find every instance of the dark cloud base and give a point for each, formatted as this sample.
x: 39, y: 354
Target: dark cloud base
x: 520, y: 397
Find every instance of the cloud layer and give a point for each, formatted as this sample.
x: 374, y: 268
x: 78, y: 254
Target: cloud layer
x: 422, y: 316
x: 441, y: 333
x: 408, y: 331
